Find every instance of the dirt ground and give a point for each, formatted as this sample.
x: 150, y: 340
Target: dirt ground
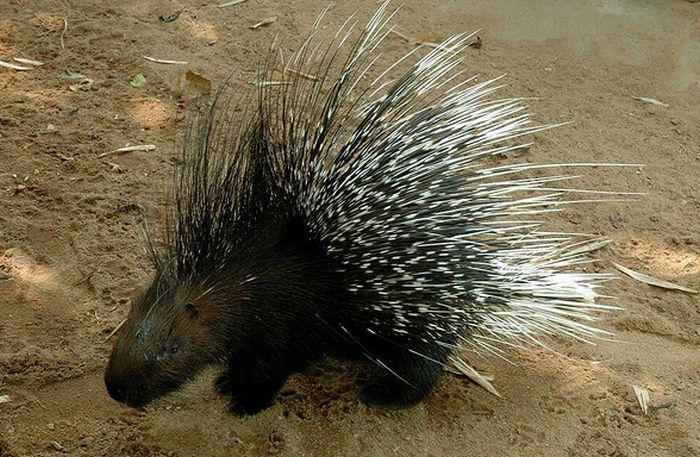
x: 71, y: 257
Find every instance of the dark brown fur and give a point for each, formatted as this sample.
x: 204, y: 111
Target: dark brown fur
x: 260, y: 330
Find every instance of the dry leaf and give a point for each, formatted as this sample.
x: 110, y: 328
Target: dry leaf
x: 642, y: 398
x: 197, y: 85
x: 471, y: 373
x: 138, y: 80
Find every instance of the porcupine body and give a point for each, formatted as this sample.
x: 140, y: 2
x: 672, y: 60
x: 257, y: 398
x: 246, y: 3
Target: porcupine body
x: 344, y: 217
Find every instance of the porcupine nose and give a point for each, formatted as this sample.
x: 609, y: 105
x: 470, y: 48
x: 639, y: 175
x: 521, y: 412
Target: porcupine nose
x: 116, y: 389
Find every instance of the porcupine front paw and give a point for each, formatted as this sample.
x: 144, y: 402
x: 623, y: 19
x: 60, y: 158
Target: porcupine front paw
x: 223, y: 383
x: 248, y: 396
x: 248, y: 405
x: 389, y: 393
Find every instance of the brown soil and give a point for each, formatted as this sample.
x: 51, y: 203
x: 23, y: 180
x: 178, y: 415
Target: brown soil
x: 70, y: 253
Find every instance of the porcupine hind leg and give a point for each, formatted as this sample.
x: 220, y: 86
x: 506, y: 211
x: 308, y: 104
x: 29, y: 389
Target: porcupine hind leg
x: 251, y: 387
x: 407, y: 379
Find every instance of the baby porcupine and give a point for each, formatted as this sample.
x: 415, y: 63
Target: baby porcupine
x: 342, y: 217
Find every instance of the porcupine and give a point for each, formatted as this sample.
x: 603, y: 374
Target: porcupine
x: 354, y: 219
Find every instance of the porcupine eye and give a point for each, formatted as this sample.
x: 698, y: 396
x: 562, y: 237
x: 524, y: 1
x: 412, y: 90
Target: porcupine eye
x: 192, y: 310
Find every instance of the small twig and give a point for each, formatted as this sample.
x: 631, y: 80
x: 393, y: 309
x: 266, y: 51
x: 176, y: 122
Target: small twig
x: 651, y: 101
x: 296, y: 73
x: 167, y: 62
x: 36, y: 63
x: 231, y: 3
x: 264, y: 22
x: 402, y: 36
x: 653, y: 281
x: 270, y: 83
x: 279, y: 50
x: 413, y: 41
x: 668, y: 404
x: 65, y: 29
x: 116, y: 329
x: 87, y: 276
x: 140, y: 147
x: 477, y: 43
x: 13, y: 66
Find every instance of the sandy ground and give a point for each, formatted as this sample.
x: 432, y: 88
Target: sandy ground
x: 70, y: 255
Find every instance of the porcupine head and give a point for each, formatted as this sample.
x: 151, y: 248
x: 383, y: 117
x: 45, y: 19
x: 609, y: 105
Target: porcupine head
x: 165, y: 341
x: 162, y: 344
x: 366, y: 221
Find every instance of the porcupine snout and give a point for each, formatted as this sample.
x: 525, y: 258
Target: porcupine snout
x: 126, y: 376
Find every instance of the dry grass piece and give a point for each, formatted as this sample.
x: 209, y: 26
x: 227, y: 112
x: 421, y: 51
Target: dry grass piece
x: 591, y: 246
x: 139, y: 147
x: 116, y: 329
x: 264, y: 22
x: 166, y: 62
x: 652, y: 281
x: 477, y: 43
x: 232, y: 3
x: 651, y: 101
x: 63, y: 33
x: 86, y: 276
x: 269, y: 83
x: 284, y: 70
